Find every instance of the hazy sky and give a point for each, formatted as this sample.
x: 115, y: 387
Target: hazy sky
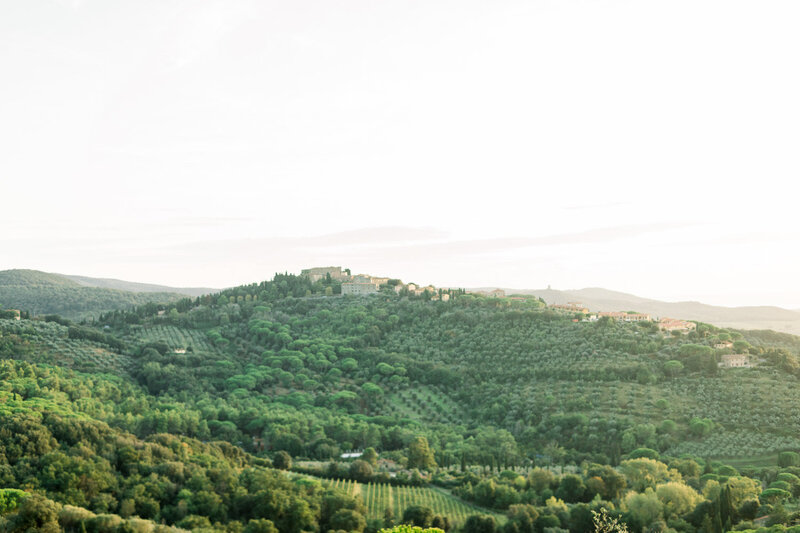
x: 645, y: 146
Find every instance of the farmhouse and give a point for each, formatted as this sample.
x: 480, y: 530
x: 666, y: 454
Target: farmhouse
x: 735, y: 360
x: 673, y: 324
x: 723, y: 344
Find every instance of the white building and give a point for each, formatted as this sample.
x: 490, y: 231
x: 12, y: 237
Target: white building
x: 357, y: 289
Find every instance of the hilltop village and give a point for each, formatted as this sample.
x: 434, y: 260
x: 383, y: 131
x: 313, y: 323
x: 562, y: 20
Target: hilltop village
x: 362, y: 284
x: 365, y: 284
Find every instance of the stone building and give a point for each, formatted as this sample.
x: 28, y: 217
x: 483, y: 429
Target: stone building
x: 318, y: 273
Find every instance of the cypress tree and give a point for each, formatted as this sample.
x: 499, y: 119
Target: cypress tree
x: 716, y: 519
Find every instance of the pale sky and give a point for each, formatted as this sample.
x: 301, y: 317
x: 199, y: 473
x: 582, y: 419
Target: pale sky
x: 651, y: 147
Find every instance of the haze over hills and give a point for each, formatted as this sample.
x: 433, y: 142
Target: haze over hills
x: 43, y: 293
x: 132, y: 286
x: 116, y: 294
x: 749, y: 317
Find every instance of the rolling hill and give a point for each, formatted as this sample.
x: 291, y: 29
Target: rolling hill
x: 474, y: 401
x: 44, y: 293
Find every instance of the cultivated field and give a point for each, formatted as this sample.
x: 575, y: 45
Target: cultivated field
x: 380, y: 496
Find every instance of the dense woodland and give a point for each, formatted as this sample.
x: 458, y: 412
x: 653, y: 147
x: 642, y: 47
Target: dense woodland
x: 231, y: 412
x: 41, y: 293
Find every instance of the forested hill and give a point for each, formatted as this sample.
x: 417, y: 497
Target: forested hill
x: 42, y: 293
x: 131, y: 286
x: 175, y: 412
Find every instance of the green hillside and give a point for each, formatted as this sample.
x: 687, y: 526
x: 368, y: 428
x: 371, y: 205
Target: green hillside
x: 472, y: 404
x: 41, y: 293
x: 599, y: 390
x: 33, y: 278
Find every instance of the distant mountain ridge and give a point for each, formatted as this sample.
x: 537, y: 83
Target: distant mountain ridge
x: 37, y: 278
x: 46, y: 293
x: 747, y: 317
x: 132, y: 286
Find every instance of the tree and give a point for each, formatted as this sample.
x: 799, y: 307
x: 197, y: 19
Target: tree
x: 36, y: 513
x: 644, y: 452
x: 348, y: 520
x: 482, y: 524
x: 371, y: 390
x: 788, y: 459
x: 673, y: 368
x: 360, y: 470
x: 748, y: 510
x: 570, y: 488
x: 541, y: 479
x: 420, y: 455
x: 260, y: 525
x: 741, y: 346
x: 524, y: 517
x: 774, y: 496
x: 388, y: 517
x: 282, y: 461
x: 644, y: 508
x: 678, y: 499
x: 418, y: 515
x: 603, y: 523
x: 613, y: 481
x: 643, y: 473
x: 687, y: 467
x: 700, y: 427
x: 370, y: 456
x: 441, y: 522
